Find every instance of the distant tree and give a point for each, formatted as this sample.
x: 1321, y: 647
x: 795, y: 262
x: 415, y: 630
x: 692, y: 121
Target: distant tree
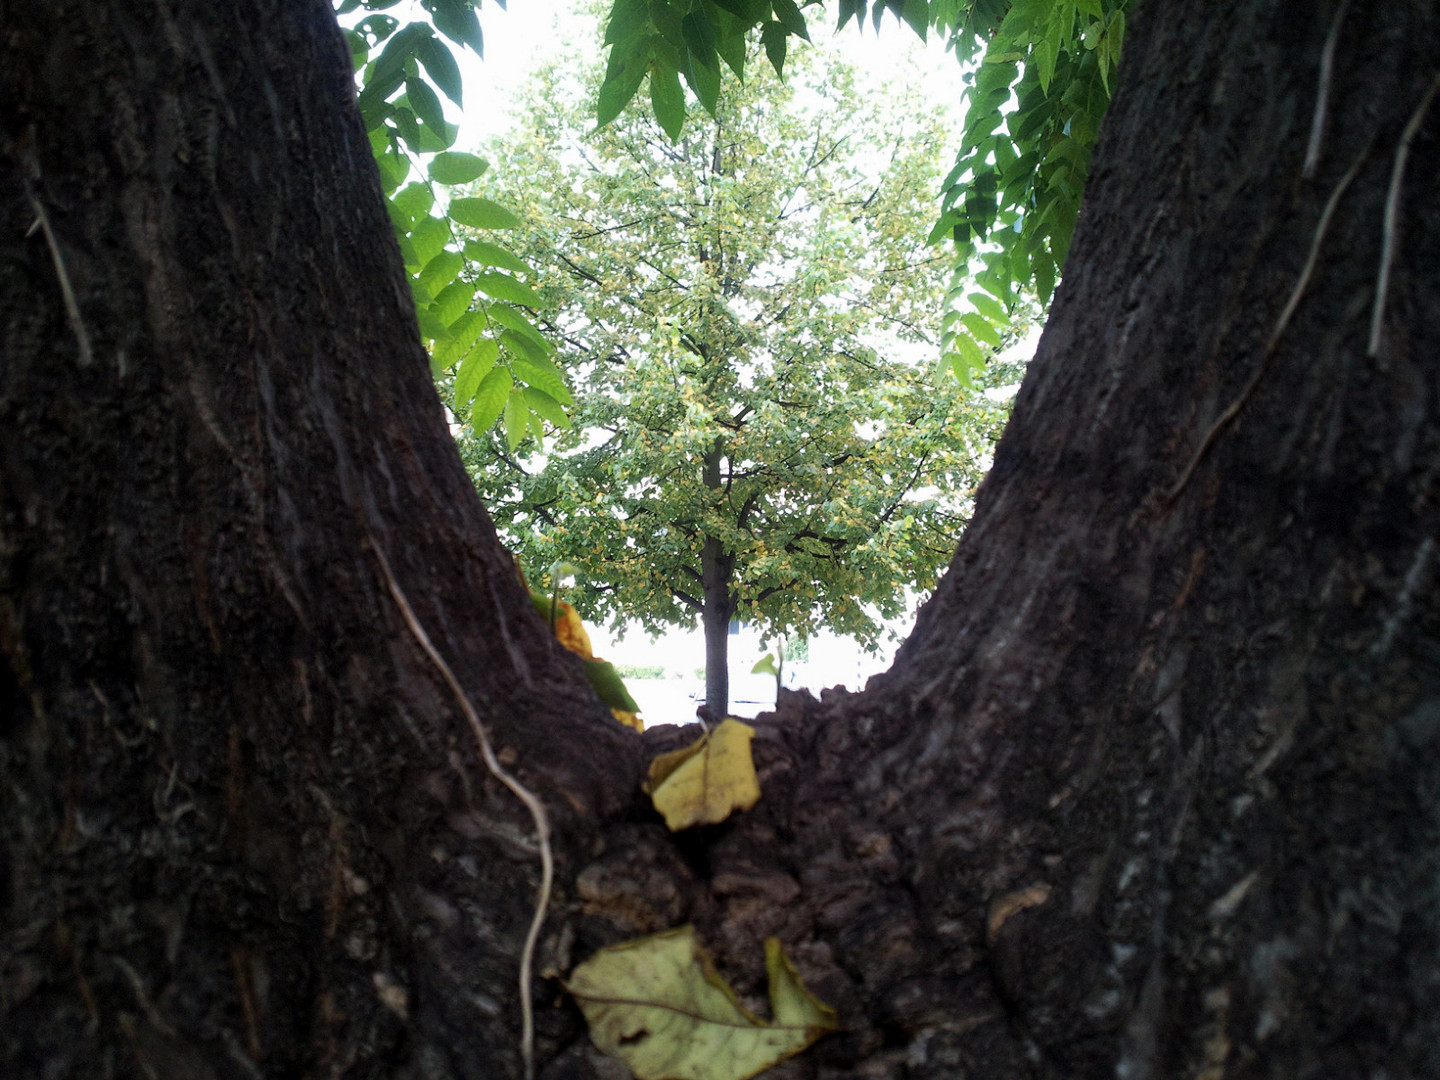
x: 752, y: 320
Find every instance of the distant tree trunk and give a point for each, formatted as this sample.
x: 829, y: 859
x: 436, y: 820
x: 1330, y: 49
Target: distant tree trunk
x: 1152, y: 791
x: 717, y: 573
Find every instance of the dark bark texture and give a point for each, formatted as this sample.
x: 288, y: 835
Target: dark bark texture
x: 1152, y: 791
x: 245, y: 829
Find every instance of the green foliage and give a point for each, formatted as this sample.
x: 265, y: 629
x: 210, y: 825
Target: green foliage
x: 641, y: 671
x: 1037, y: 76
x: 754, y: 298
x: 470, y: 300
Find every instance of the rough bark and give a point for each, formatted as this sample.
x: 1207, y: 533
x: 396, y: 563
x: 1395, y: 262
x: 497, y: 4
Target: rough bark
x: 244, y: 826
x: 1151, y: 791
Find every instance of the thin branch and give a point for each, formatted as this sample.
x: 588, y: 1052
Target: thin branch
x: 770, y: 590
x: 524, y: 794
x: 607, y: 229
x: 1392, y: 214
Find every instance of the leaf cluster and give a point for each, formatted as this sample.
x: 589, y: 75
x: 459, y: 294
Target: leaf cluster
x: 1036, y: 77
x: 471, y: 300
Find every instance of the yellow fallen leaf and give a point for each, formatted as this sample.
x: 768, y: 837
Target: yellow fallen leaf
x: 571, y: 633
x: 629, y: 719
x: 659, y: 1004
x: 568, y: 628
x: 702, y: 783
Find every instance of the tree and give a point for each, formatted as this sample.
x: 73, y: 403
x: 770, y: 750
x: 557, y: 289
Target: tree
x: 1037, y: 75
x: 1151, y: 789
x: 753, y: 318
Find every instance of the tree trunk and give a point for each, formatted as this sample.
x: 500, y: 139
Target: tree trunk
x: 1151, y: 791
x: 717, y: 571
x: 245, y: 828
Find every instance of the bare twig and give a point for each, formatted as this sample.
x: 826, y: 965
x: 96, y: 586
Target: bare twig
x: 1392, y: 214
x: 524, y: 794
x: 1322, y: 94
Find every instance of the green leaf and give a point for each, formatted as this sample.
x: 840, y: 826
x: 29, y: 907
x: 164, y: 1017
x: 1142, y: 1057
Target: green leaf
x: 704, y: 81
x: 623, y: 75
x: 393, y: 171
x: 790, y: 18
x: 441, y: 270
x: 482, y: 214
x: 608, y: 685
x: 505, y: 315
x: 441, y: 67
x: 464, y: 332
x: 516, y: 419
x: 1045, y: 54
x: 732, y: 49
x: 504, y: 287
x: 979, y: 326
x: 455, y: 167
x: 1044, y: 268
x: 432, y: 140
x: 413, y: 261
x: 542, y: 375
x: 478, y: 363
x: 432, y: 327
x: 988, y: 306
x: 490, y: 398
x: 429, y: 236
x: 542, y: 404
x: 526, y: 346
x: 659, y: 1004
x: 426, y: 105
x: 700, y: 37
x: 453, y: 301
x: 776, y: 41
x: 667, y: 98
x: 390, y: 64
x: 487, y: 254
x: 627, y: 18
x: 917, y: 14
x: 457, y: 20
x: 748, y: 12
x: 969, y: 351
x: 414, y: 201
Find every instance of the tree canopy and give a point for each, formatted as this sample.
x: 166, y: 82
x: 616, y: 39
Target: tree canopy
x: 753, y: 318
x: 1038, y: 76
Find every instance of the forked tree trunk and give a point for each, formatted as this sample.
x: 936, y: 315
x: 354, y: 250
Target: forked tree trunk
x: 1152, y: 791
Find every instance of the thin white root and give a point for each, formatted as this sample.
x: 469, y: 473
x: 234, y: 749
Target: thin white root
x: 1392, y: 215
x: 1306, y: 272
x: 1322, y: 94
x: 72, y: 306
x: 524, y: 794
